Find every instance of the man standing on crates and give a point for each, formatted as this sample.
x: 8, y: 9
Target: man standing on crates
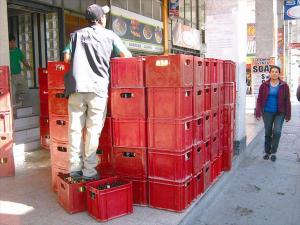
x: 87, y: 88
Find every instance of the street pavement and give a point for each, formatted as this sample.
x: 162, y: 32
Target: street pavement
x: 257, y: 191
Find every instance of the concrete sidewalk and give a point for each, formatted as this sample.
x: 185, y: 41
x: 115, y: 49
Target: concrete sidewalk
x: 256, y: 191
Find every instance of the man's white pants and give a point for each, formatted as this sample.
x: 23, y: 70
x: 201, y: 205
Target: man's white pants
x: 86, y: 110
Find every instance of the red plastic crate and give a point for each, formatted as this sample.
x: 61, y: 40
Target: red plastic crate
x: 198, y: 129
x: 215, y: 120
x: 140, y: 191
x: 198, y: 105
x: 58, y: 103
x: 171, y: 196
x: 106, y: 170
x: 213, y: 64
x: 198, y: 71
x: 207, y: 150
x: 214, y: 170
x: 207, y: 176
x: 5, y: 104
x: 169, y: 71
x: 45, y: 132
x: 207, y: 78
x: 221, y: 95
x: 4, y: 78
x: 60, y: 152
x: 220, y: 71
x: 214, y: 96
x: 221, y: 143
x: 54, y: 176
x: 44, y: 96
x: 5, y: 140
x: 228, y: 136
x: 56, y: 74
x: 175, y: 103
x: 5, y: 122
x: 105, y: 138
x: 221, y: 117
x: 229, y: 71
x: 7, y: 165
x: 44, y: 109
x: 227, y: 159
x: 207, y: 97
x: 130, y: 162
x: 105, y: 156
x: 215, y: 142
x: 59, y: 128
x: 107, y: 204
x: 129, y: 133
x: 127, y: 72
x: 229, y: 93
x: 229, y: 116
x: 170, y: 134
x: 198, y: 181
x: 43, y: 78
x: 71, y: 196
x: 207, y: 120
x: 169, y: 166
x: 198, y: 157
x: 128, y: 103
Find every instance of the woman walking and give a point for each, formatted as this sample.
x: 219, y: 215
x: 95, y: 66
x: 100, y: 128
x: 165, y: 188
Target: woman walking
x: 274, y: 105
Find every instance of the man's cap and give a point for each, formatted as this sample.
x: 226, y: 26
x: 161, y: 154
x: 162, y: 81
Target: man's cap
x: 95, y: 12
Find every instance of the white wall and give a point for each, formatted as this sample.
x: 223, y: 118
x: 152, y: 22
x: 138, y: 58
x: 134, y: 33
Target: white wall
x: 4, y: 49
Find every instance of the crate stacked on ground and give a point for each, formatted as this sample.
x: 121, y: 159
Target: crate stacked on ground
x: 169, y: 82
x: 228, y: 113
x: 128, y: 109
x: 44, y: 108
x: 7, y: 166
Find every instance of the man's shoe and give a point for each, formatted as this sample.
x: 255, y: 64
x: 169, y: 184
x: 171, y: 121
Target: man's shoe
x: 273, y: 157
x: 266, y: 156
x: 76, y: 174
x: 95, y: 177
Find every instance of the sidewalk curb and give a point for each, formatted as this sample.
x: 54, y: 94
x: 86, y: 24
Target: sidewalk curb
x: 210, y: 195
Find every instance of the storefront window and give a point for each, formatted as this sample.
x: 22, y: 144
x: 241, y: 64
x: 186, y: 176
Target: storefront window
x: 134, y: 6
x: 181, y: 8
x: 120, y: 3
x: 157, y: 10
x: 147, y: 8
x: 72, y: 5
x: 194, y: 13
x: 187, y: 12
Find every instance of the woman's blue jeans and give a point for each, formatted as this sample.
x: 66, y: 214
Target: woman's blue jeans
x: 273, y: 124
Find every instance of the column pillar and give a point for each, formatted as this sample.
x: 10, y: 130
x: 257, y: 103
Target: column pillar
x: 4, y: 49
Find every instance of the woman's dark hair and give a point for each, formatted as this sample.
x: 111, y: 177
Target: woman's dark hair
x: 275, y: 67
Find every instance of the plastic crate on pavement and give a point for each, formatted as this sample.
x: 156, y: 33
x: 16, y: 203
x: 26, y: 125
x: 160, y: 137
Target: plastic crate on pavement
x: 214, y: 145
x: 58, y: 103
x: 105, y: 138
x: 198, y: 71
x: 207, y: 118
x: 207, y: 97
x: 56, y: 74
x: 198, y: 129
x: 55, y: 171
x: 198, y: 181
x: 59, y: 128
x: 214, y: 96
x: 215, y: 120
x: 7, y: 165
x: 207, y: 176
x: 140, y: 190
x: 45, y: 132
x: 198, y: 103
x: 198, y: 157
x: 60, y: 154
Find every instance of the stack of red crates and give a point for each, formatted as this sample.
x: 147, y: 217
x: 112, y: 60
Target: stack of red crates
x: 128, y: 108
x: 44, y: 108
x: 169, y: 82
x: 7, y: 166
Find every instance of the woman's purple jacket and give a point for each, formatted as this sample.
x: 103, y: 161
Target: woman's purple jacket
x: 284, y: 102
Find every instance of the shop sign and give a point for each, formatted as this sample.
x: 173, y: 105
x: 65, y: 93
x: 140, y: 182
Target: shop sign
x: 174, y: 8
x: 260, y: 69
x: 138, y: 32
x: 291, y: 9
x: 186, y: 36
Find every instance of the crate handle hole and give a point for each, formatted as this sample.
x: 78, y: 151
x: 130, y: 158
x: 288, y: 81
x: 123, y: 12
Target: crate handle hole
x: 3, y: 138
x: 92, y: 195
x: 127, y: 95
x: 199, y: 92
x: 60, y: 95
x: 199, y: 121
x: 188, y: 156
x: 187, y: 62
x: 187, y: 93
x: 99, y: 152
x: 129, y: 154
x: 162, y: 62
x: 60, y: 67
x: 187, y: 125
x: 3, y: 160
x: 62, y: 186
x: 199, y: 63
x: 60, y: 122
x: 61, y: 149
x: 82, y: 189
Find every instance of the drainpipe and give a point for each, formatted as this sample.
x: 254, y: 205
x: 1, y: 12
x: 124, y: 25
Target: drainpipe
x: 164, y: 10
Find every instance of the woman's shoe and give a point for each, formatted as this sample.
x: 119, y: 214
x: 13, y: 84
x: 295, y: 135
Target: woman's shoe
x: 273, y: 157
x: 266, y: 156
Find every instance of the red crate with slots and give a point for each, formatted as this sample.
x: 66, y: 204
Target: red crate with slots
x: 198, y: 105
x: 215, y: 120
x: 5, y: 103
x: 213, y: 64
x: 60, y: 152
x: 109, y: 203
x: 44, y: 95
x: 229, y: 71
x: 207, y: 117
x: 229, y: 116
x: 229, y: 93
x: 198, y: 129
x: 128, y: 103
x: 227, y: 159
x: 207, y: 176
x: 56, y: 74
x: 221, y: 142
x: 7, y: 164
x: 207, y: 149
x: 170, y: 134
x: 198, y: 71
x: 59, y: 128
x: 71, y: 196
x: 169, y: 71
x: 214, y: 170
x: 227, y: 136
x: 44, y: 109
x: 43, y: 78
x: 198, y: 157
x: 5, y: 140
x: 129, y: 133
x: 130, y: 162
x: 175, y: 103
x: 105, y: 156
x: 214, y: 96
x: 220, y: 71
x: 105, y: 138
x: 198, y: 181
x: 207, y: 78
x: 45, y: 132
x: 169, y: 195
x: 58, y: 103
x: 4, y: 78
x: 140, y: 190
x: 221, y: 95
x: 170, y: 166
x: 207, y: 97
x: 221, y: 116
x: 215, y: 141
x: 127, y: 72
x: 5, y: 122
x: 55, y: 171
